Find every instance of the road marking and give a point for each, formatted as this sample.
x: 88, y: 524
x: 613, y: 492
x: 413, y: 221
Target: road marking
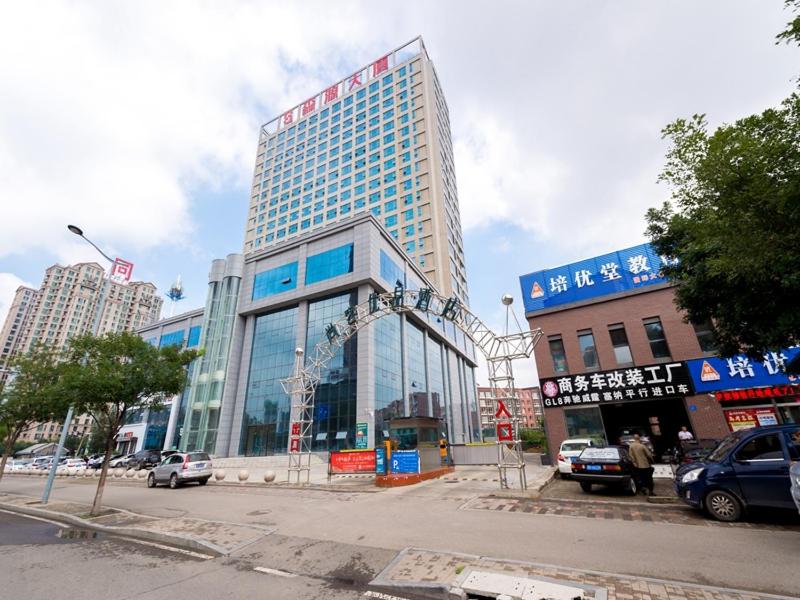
x: 277, y: 572
x: 168, y: 548
x: 381, y: 596
x: 16, y: 514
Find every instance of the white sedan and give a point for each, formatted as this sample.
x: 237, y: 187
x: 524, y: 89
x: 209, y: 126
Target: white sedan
x: 570, y: 449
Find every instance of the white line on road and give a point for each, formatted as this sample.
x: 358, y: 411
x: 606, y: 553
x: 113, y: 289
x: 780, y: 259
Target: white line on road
x: 168, y: 548
x: 277, y: 572
x: 24, y: 516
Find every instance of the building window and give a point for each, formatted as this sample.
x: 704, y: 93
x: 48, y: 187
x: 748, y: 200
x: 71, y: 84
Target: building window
x: 705, y: 337
x: 619, y: 341
x: 588, y: 350
x: 390, y: 272
x: 174, y: 338
x: 655, y: 334
x: 558, y: 354
x: 275, y: 281
x: 329, y: 264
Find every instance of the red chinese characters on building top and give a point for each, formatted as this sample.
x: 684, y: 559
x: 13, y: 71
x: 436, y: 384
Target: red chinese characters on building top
x: 380, y: 65
x: 308, y: 106
x: 332, y: 93
x: 354, y: 81
x: 288, y: 117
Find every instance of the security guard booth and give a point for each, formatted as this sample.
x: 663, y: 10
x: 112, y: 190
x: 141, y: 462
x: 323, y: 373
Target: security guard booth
x: 426, y: 435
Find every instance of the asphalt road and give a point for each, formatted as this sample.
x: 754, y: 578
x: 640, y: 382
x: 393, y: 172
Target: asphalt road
x: 432, y: 515
x: 41, y: 560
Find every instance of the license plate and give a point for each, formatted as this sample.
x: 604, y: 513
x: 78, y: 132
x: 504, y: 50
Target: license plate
x: 594, y: 468
x: 200, y: 466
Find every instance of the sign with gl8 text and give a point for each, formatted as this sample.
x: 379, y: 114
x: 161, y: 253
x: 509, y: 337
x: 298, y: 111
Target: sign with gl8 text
x: 650, y: 382
x: 619, y: 271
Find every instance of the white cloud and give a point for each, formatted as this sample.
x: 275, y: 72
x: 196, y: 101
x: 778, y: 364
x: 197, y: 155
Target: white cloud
x: 8, y: 285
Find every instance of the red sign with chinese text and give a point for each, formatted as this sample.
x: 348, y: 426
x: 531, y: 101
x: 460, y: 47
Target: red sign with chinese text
x: 121, y: 271
x: 502, y: 411
x: 358, y: 461
x: 745, y: 418
x: 295, y: 428
x: 294, y: 445
x: 505, y: 433
x: 774, y: 391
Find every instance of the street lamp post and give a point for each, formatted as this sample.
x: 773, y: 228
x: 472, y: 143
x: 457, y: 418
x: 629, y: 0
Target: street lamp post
x: 95, y: 328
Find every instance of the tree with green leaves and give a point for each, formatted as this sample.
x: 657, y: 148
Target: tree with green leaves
x: 732, y: 227
x: 110, y: 376
x: 32, y: 396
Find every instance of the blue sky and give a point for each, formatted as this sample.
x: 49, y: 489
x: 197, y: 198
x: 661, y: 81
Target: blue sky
x: 139, y: 121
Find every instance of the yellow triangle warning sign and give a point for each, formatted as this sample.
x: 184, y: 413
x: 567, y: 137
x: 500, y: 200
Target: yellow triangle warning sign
x: 536, y: 290
x: 708, y: 373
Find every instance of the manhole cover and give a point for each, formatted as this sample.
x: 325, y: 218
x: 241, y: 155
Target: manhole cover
x: 482, y: 585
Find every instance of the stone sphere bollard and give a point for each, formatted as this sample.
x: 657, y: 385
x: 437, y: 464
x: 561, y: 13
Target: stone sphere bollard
x: 97, y: 472
x: 142, y: 473
x: 130, y: 473
x: 243, y: 475
x: 80, y: 471
x: 119, y: 472
x: 219, y: 474
x: 40, y: 472
x: 61, y: 472
x: 88, y: 472
x: 71, y: 471
x: 269, y: 476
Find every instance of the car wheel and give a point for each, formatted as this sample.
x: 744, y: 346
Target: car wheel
x: 586, y: 486
x: 632, y: 488
x: 151, y: 480
x: 173, y: 481
x: 562, y: 475
x: 203, y: 481
x: 723, y: 506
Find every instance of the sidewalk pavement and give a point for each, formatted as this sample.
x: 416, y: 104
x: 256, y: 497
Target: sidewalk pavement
x: 214, y: 537
x: 438, y: 575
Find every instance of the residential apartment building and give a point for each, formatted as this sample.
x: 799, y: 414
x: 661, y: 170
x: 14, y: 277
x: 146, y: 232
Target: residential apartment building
x: 66, y: 305
x: 11, y: 334
x: 376, y: 142
x: 529, y: 408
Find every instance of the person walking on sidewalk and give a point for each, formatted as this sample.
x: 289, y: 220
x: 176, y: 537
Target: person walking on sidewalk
x: 642, y: 460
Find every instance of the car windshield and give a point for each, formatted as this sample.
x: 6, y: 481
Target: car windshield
x: 197, y: 456
x: 575, y: 447
x: 600, y: 454
x: 722, y: 449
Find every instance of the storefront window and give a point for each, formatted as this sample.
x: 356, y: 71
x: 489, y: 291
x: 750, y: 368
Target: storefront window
x: 619, y: 341
x: 558, y: 354
x: 585, y: 422
x: 656, y: 337
x: 588, y: 351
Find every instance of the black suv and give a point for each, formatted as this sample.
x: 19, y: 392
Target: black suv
x: 144, y: 459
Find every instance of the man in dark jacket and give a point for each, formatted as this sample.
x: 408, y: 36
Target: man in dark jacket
x: 642, y: 460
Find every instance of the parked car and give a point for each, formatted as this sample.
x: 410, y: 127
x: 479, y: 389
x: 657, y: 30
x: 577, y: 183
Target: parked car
x: 568, y: 450
x: 18, y: 465
x: 749, y: 468
x: 605, y: 465
x: 73, y: 463
x: 42, y: 462
x: 144, y: 459
x: 180, y: 468
x: 626, y: 437
x: 119, y: 461
x: 794, y: 475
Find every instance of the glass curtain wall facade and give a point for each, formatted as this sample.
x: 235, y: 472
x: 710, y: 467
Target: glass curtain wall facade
x: 418, y: 401
x: 388, y: 374
x: 436, y: 373
x: 335, y: 395
x: 265, y: 427
x: 208, y: 379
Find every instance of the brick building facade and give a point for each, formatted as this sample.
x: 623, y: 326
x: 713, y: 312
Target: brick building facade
x: 595, y: 346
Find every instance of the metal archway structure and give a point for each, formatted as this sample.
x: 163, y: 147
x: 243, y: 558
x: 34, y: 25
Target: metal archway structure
x: 499, y: 350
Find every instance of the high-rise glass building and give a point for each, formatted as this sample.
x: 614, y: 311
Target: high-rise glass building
x: 378, y: 142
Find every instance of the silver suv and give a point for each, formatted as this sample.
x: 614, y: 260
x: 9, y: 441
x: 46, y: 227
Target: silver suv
x: 179, y: 468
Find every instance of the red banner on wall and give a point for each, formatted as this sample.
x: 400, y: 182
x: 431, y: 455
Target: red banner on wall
x: 359, y: 461
x: 745, y: 418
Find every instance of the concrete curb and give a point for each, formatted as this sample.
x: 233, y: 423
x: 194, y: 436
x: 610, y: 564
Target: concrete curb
x: 530, y: 493
x: 170, y: 539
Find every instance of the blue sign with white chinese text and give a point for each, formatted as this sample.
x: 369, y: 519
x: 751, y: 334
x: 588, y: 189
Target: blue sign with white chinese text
x: 405, y: 461
x: 619, y: 271
x: 714, y: 374
x: 380, y: 461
